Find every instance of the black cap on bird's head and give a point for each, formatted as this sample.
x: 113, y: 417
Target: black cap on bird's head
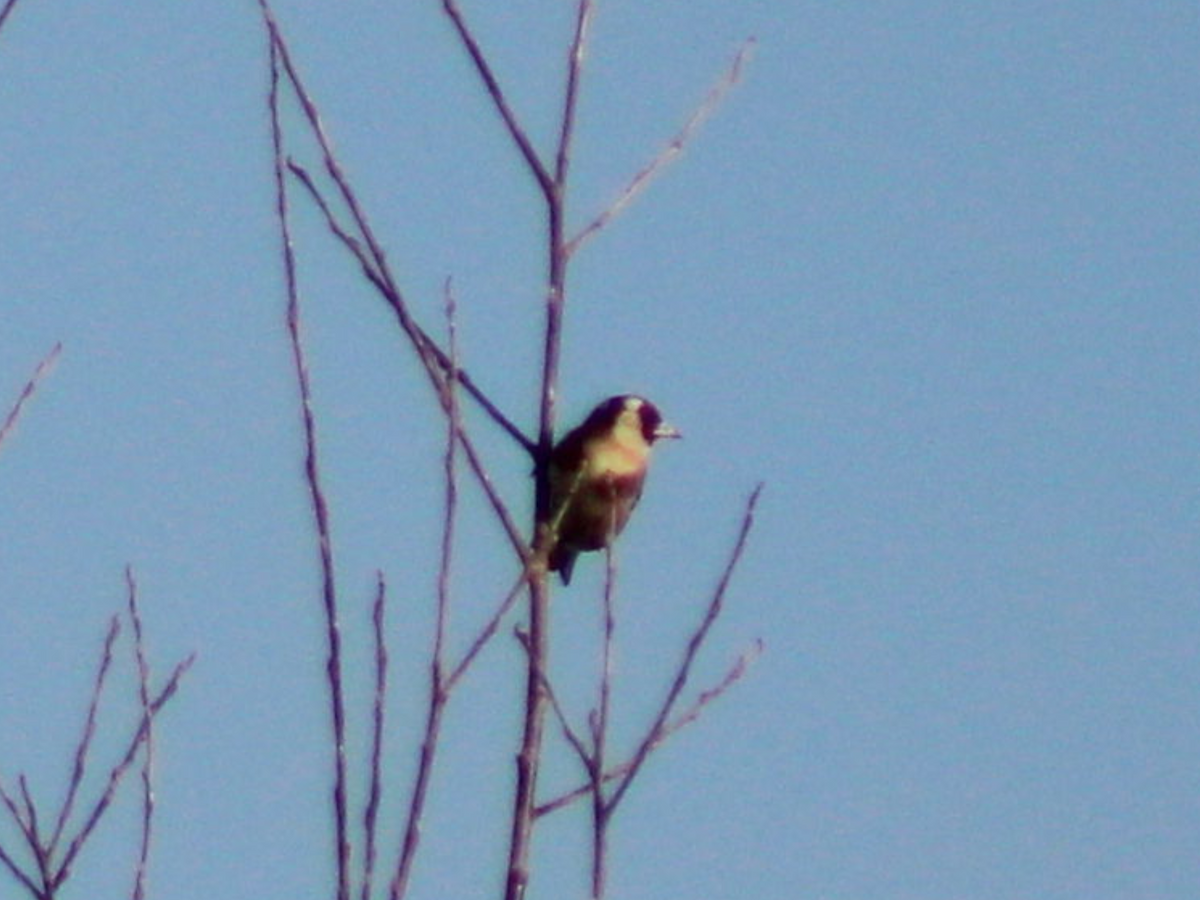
x: 606, y: 416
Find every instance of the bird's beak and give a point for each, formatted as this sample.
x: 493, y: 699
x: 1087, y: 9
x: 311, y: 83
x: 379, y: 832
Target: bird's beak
x: 666, y: 431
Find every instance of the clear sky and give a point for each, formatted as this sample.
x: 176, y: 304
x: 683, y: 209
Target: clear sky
x: 930, y: 273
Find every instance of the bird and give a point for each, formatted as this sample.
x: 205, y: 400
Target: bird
x: 597, y: 472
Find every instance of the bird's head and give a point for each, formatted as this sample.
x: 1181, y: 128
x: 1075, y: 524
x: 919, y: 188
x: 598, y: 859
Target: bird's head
x: 629, y: 418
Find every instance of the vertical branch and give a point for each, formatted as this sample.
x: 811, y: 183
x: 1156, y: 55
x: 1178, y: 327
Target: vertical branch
x: 439, y: 687
x: 316, y: 495
x: 143, y: 670
x: 371, y: 813
x: 600, y: 807
x: 450, y: 465
x: 583, y: 19
x: 539, y: 589
x: 557, y: 256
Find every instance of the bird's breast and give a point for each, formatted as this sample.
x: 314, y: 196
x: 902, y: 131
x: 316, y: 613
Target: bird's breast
x: 615, y: 458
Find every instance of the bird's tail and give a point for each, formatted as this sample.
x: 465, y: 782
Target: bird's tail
x: 562, y: 561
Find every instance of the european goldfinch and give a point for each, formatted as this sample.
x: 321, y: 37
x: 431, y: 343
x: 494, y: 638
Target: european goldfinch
x: 596, y: 476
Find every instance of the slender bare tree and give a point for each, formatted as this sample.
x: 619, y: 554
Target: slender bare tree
x: 605, y: 780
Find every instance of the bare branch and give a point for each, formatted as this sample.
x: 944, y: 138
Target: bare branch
x: 674, y: 147
x: 601, y: 808
x: 375, y: 791
x: 317, y: 500
x: 89, y: 730
x: 27, y: 824
x: 489, y: 629
x: 15, y: 811
x: 569, y: 733
x: 143, y: 669
x: 583, y: 18
x: 43, y: 367
x: 309, y: 107
x: 499, y: 507
x: 438, y: 694
x: 433, y: 359
x: 349, y: 241
x: 450, y: 464
x: 600, y: 723
x: 486, y: 633
x: 381, y: 283
x: 118, y: 772
x: 529, y: 756
x: 735, y: 673
x: 536, y: 167
x: 689, y: 656
x: 31, y: 815
x: 18, y: 874
x: 5, y: 10
x: 41, y: 854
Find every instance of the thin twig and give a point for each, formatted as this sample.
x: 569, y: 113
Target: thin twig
x: 118, y: 772
x: 569, y: 733
x: 43, y: 367
x: 26, y: 823
x: 378, y: 272
x: 317, y: 500
x: 486, y: 633
x: 489, y: 629
x: 15, y: 811
x: 412, y: 828
x: 601, y: 808
x: 735, y: 673
x: 382, y: 284
x: 419, y: 339
x: 689, y: 656
x: 143, y: 670
x: 674, y: 147
x: 18, y: 874
x: 334, y: 169
x: 8, y: 8
x: 536, y: 167
x: 438, y: 694
x: 31, y: 815
x: 40, y: 853
x: 566, y: 134
x: 450, y: 465
x: 375, y: 790
x: 89, y: 730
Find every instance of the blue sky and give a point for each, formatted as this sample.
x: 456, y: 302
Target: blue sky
x: 929, y: 273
